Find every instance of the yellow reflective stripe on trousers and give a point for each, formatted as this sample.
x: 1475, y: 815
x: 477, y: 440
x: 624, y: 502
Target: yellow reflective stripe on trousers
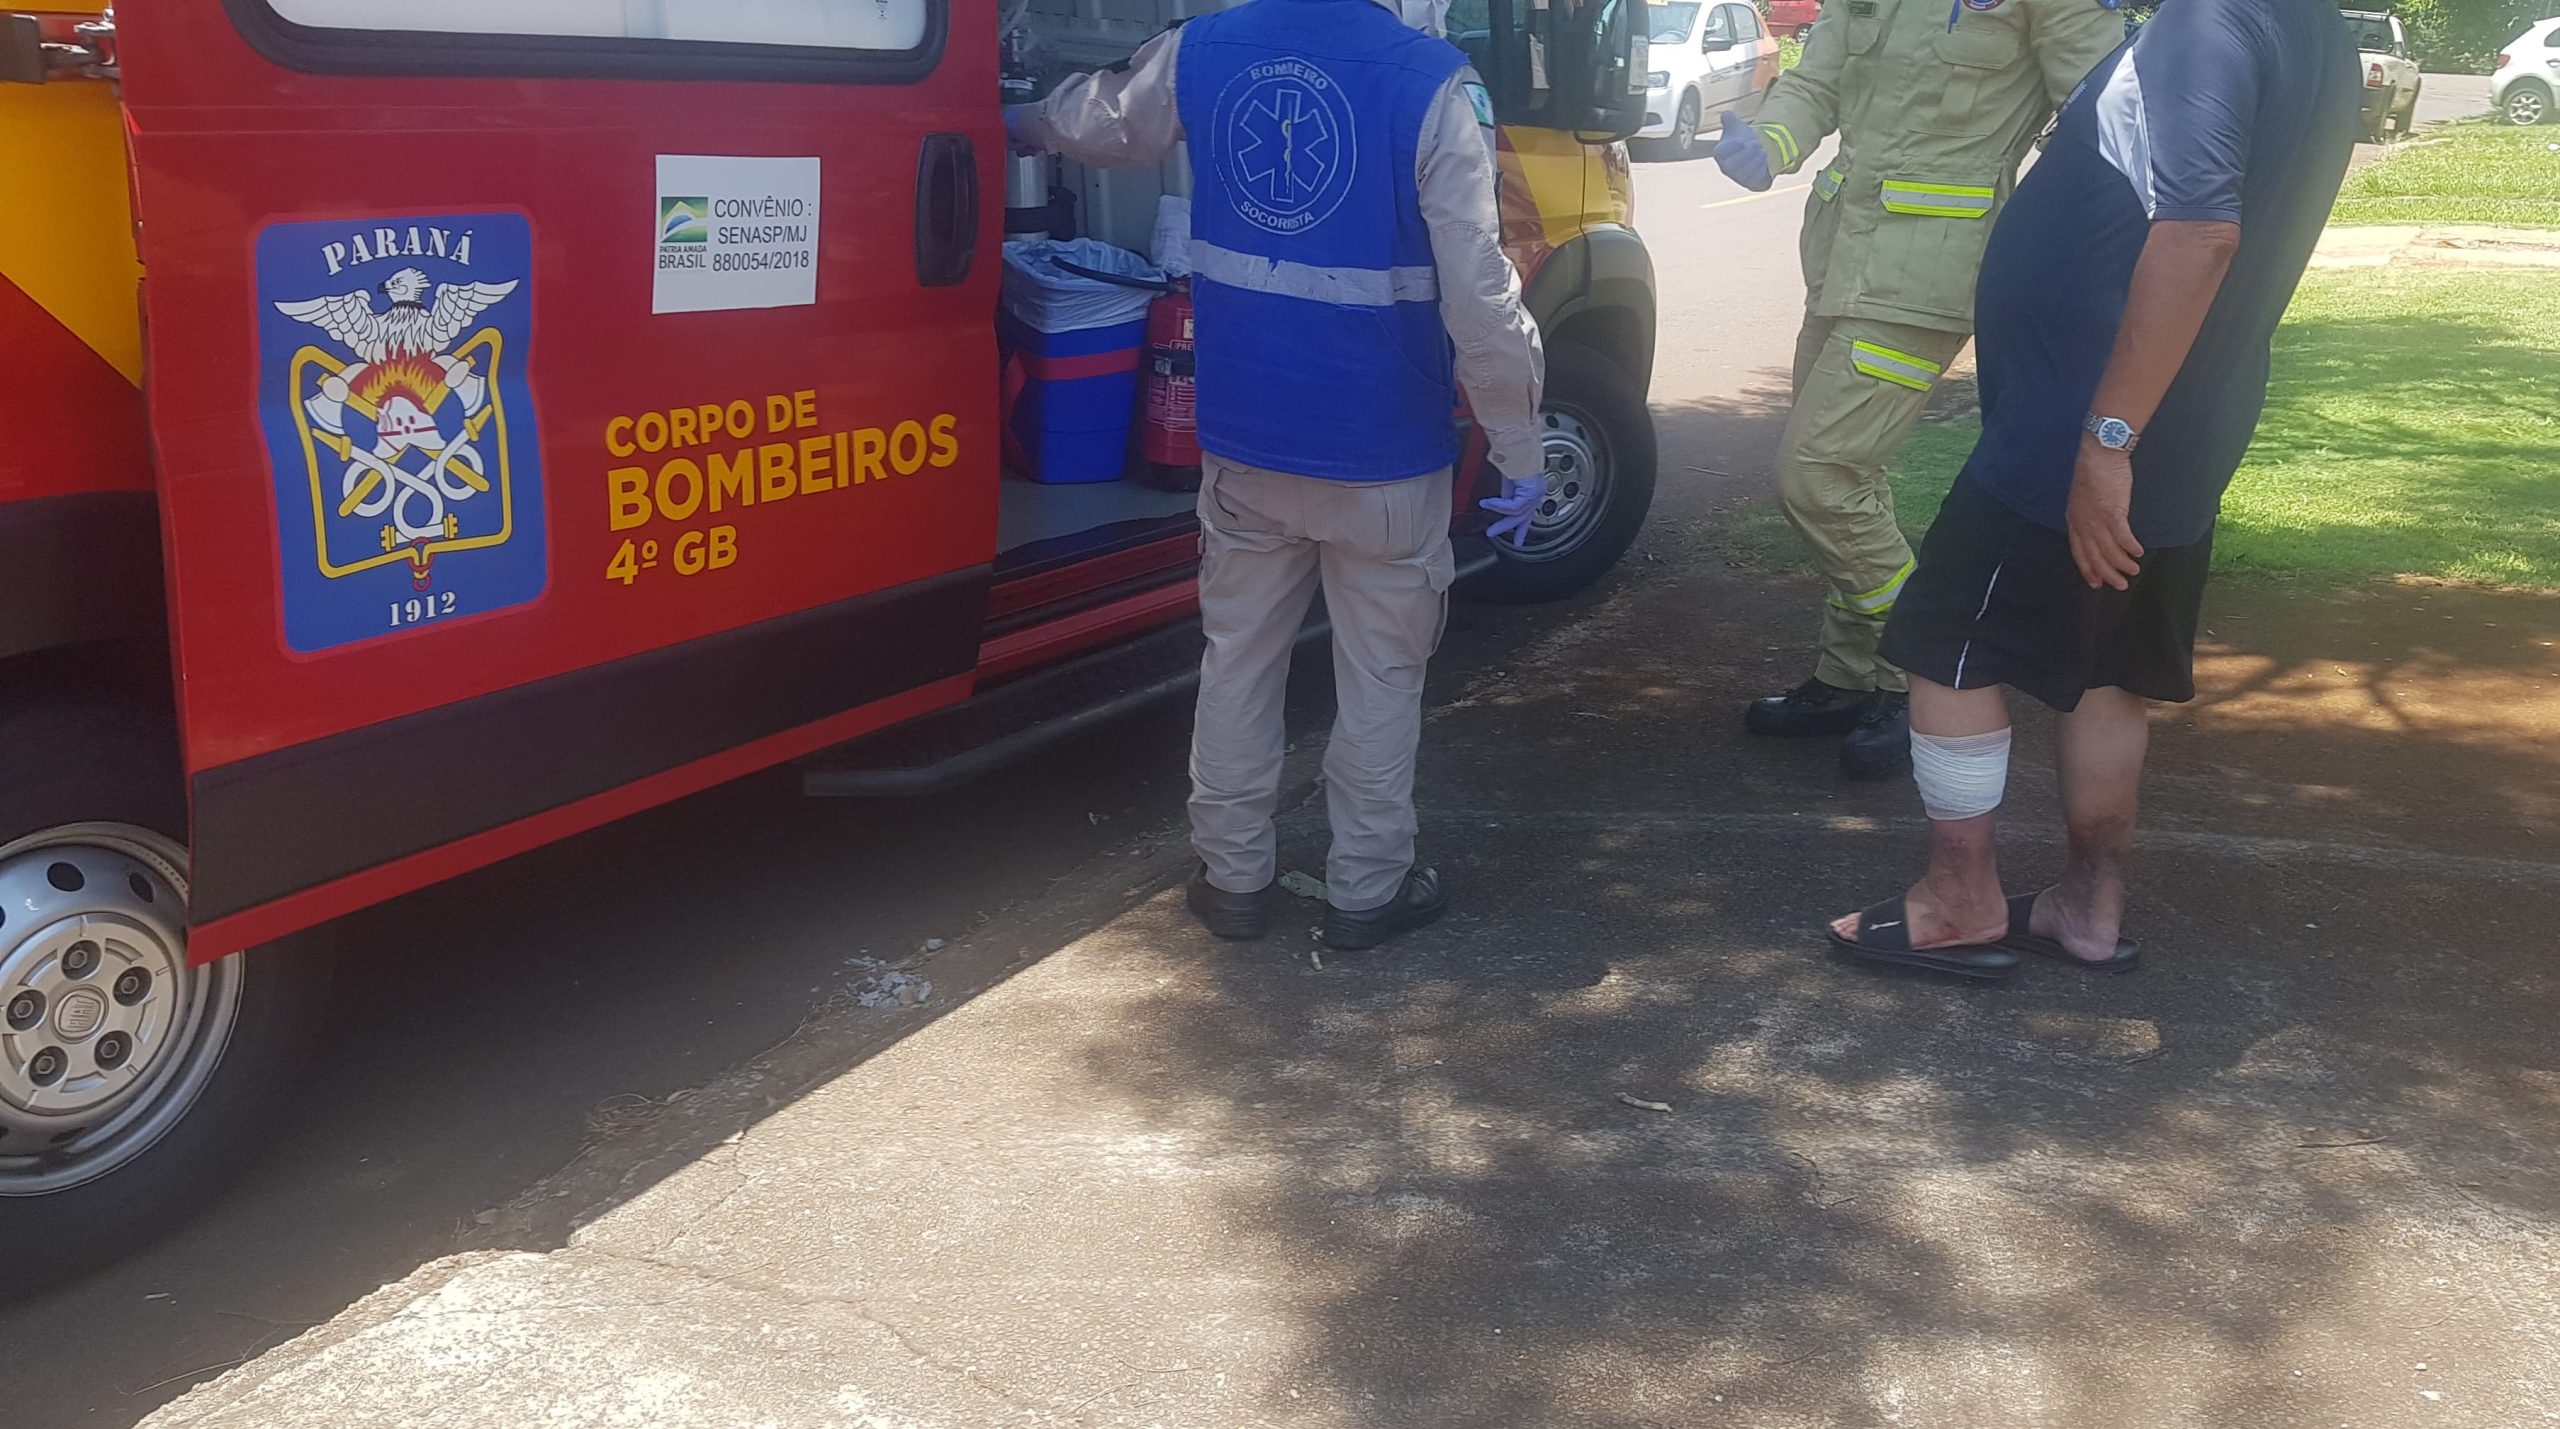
x: 1785, y: 140
x: 1899, y: 368
x: 1877, y: 603
x: 1826, y: 185
x: 1938, y: 200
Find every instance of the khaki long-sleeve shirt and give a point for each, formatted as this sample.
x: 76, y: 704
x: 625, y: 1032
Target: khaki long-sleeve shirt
x: 1129, y: 116
x: 1935, y: 105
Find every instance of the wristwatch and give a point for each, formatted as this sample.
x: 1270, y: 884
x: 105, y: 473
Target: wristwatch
x: 2114, y: 433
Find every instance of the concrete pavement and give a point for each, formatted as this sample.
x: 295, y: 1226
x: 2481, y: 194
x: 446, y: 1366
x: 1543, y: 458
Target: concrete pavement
x: 2441, y: 245
x: 2300, y: 1171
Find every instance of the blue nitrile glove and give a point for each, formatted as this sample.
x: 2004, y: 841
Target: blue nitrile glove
x: 1517, y: 506
x: 1016, y: 118
x: 1742, y: 156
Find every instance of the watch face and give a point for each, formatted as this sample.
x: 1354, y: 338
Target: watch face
x: 2114, y: 433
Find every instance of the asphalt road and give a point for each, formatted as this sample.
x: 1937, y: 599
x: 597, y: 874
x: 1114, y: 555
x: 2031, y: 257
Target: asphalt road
x: 2452, y: 96
x: 2440, y: 97
x: 484, y: 1028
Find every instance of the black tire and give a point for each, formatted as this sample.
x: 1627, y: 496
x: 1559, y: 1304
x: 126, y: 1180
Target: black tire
x: 2528, y: 101
x: 1683, y: 143
x: 1587, y: 396
x: 65, y: 765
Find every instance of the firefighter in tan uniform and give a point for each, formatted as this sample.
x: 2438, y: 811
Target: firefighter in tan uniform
x: 1934, y: 109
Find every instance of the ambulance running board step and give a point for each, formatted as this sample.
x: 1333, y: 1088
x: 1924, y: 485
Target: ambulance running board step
x: 1018, y: 719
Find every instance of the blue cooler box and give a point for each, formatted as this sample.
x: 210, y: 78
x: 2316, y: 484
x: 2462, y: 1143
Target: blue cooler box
x: 1073, y: 416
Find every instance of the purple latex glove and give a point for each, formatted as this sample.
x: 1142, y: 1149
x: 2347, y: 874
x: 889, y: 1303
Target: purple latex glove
x: 1516, y: 507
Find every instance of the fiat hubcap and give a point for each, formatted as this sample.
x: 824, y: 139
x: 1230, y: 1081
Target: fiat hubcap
x: 1578, y: 473
x: 107, y: 1037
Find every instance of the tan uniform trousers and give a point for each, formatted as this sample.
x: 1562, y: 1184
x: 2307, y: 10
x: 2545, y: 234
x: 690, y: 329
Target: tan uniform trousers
x: 1861, y: 387
x: 1381, y: 553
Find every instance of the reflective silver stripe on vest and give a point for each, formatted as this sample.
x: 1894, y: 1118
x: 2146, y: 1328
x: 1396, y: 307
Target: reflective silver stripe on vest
x: 1344, y: 287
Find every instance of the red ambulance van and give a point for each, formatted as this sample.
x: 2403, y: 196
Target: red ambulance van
x: 432, y: 428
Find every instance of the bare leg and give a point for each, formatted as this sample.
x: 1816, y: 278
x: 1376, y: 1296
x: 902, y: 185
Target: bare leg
x: 1959, y: 901
x: 2103, y: 746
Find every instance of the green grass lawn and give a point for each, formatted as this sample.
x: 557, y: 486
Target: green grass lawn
x: 2413, y: 429
x: 2472, y: 172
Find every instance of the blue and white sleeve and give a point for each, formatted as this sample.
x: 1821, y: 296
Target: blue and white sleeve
x: 2177, y: 116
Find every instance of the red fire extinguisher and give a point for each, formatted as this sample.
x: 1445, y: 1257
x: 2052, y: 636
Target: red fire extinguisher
x: 1169, y: 414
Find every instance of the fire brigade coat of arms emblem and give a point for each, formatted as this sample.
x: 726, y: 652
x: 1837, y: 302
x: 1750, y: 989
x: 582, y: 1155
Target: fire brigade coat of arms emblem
x: 399, y: 422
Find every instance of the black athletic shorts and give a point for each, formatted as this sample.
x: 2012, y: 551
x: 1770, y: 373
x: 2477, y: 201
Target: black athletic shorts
x: 1997, y: 600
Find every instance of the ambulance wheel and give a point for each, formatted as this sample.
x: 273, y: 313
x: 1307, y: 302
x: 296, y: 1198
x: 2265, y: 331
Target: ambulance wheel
x: 133, y: 1087
x: 1600, y: 468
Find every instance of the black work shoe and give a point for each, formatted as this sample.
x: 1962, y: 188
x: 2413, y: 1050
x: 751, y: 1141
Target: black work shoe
x: 1810, y: 709
x: 1880, y: 747
x: 1238, y: 916
x: 1418, y: 903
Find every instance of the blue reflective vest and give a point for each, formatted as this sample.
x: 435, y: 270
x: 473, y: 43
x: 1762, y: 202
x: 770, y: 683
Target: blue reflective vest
x: 1320, y: 346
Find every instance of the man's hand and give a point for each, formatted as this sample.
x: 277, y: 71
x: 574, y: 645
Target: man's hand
x: 1016, y: 120
x: 2100, y: 517
x: 1742, y: 156
x: 1517, y: 507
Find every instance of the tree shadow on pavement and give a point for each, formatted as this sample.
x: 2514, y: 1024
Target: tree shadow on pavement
x: 2311, y: 1146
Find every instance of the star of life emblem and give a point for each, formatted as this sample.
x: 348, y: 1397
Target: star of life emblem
x: 1290, y: 145
x: 407, y: 473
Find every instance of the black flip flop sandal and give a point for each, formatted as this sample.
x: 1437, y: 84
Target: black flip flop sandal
x: 1884, y: 936
x: 2022, y: 910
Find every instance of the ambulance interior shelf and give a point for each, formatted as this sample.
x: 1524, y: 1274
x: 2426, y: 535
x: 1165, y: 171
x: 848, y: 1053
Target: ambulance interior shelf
x: 1038, y: 522
x: 1034, y: 521
x: 1080, y: 471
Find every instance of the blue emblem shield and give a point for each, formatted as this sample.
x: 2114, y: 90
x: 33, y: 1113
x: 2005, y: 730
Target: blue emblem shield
x: 399, y: 423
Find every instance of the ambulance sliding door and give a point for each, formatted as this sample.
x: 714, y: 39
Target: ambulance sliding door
x: 561, y: 405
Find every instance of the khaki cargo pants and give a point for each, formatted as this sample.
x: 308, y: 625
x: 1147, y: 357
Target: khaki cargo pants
x: 1860, y: 389
x: 1380, y: 551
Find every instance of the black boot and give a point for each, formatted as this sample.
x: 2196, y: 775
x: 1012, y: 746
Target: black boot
x: 1880, y: 747
x: 1810, y: 709
x: 1419, y: 902
x: 1241, y: 917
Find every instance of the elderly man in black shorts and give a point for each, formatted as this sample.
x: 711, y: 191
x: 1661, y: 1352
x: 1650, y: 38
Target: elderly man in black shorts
x: 2127, y: 306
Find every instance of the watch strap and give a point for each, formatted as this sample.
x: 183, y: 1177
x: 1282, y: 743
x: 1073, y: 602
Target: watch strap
x: 2097, y: 426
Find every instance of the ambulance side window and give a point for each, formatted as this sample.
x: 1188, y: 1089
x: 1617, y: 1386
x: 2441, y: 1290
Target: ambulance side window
x: 780, y: 39
x: 1507, y: 41
x: 884, y: 25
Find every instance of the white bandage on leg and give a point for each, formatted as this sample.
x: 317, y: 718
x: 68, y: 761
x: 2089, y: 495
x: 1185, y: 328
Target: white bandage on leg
x: 1962, y: 776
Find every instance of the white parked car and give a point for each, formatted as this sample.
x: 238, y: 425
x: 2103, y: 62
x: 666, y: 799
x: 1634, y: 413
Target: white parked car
x: 2390, y: 77
x: 1708, y: 56
x: 2528, y: 77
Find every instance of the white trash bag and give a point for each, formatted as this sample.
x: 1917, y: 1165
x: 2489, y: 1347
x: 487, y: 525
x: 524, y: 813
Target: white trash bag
x: 1044, y: 293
